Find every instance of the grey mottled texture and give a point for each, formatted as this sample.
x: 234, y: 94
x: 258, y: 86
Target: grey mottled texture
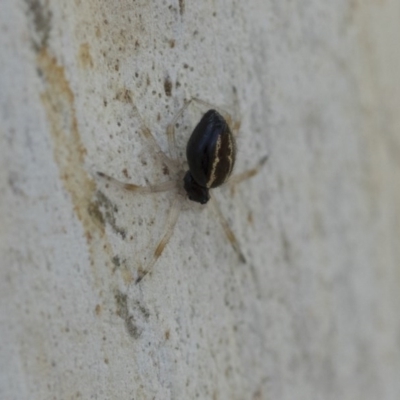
x: 313, y: 314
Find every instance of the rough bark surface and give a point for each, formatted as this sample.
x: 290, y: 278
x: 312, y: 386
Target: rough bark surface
x: 313, y: 314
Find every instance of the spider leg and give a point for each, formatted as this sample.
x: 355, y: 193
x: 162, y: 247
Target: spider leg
x: 225, y: 114
x: 234, y: 124
x: 228, y: 231
x: 249, y: 173
x: 171, y: 131
x: 169, y: 228
x: 146, y: 133
x: 160, y: 187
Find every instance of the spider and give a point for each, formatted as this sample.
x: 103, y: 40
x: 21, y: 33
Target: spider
x: 211, y: 155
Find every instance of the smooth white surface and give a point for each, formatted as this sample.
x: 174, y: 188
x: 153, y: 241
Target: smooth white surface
x: 314, y: 312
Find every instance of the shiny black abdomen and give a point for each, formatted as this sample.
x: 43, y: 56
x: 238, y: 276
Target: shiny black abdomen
x: 211, y: 151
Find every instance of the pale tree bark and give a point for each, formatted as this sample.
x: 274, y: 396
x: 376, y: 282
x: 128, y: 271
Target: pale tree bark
x: 312, y: 314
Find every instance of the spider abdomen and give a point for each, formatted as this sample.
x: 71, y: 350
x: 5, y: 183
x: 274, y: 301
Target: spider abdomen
x: 211, y: 151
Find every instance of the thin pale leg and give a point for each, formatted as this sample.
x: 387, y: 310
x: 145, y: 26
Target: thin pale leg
x: 171, y: 131
x: 160, y: 187
x: 248, y: 174
x: 146, y: 133
x: 234, y: 125
x: 228, y: 231
x: 225, y: 114
x: 169, y: 229
x: 171, y: 126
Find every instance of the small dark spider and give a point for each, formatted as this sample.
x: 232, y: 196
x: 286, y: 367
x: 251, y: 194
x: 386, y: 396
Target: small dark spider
x: 211, y: 155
